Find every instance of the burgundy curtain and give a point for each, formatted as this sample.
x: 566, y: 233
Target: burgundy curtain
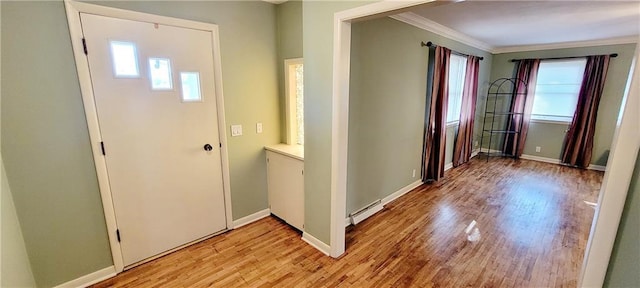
x: 579, y: 140
x: 522, y: 102
x: 434, y: 136
x: 464, y: 140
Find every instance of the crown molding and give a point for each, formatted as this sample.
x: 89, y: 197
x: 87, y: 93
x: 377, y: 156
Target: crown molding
x: 563, y: 45
x: 429, y: 25
x: 426, y: 24
x: 275, y: 1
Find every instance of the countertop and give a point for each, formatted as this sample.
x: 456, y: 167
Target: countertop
x: 294, y: 151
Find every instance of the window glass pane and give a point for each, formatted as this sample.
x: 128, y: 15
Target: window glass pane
x: 125, y: 59
x: 300, y: 103
x: 557, y: 88
x: 457, y: 71
x: 160, y: 72
x: 190, y: 86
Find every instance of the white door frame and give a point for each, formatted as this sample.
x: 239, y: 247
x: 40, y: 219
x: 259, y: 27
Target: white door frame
x: 614, y: 187
x: 73, y: 9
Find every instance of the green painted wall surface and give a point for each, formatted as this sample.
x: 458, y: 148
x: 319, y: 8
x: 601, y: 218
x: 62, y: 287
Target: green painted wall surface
x: 387, y: 106
x: 625, y: 257
x: 15, y: 269
x: 550, y: 137
x: 46, y: 145
x: 318, y: 84
x: 289, y: 19
x: 46, y: 148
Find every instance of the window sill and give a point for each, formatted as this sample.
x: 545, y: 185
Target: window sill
x: 452, y: 123
x: 546, y: 121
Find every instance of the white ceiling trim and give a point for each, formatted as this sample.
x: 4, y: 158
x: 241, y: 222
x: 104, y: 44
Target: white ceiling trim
x: 275, y: 1
x: 429, y: 25
x: 577, y: 44
x: 426, y: 24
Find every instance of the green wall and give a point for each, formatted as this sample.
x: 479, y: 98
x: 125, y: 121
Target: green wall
x: 318, y: 84
x: 550, y: 136
x: 46, y: 147
x: 625, y: 258
x: 15, y: 270
x: 289, y: 32
x: 387, y: 106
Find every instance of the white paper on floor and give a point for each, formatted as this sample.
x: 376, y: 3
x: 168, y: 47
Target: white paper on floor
x: 593, y: 205
x: 473, y: 233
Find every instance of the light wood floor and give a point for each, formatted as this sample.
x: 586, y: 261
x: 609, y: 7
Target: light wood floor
x: 532, y: 219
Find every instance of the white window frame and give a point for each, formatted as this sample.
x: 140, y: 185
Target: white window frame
x: 464, y: 73
x: 555, y: 119
x: 291, y: 122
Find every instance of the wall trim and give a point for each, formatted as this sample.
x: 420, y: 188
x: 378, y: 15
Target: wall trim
x: 246, y: 220
x: 564, y: 45
x: 429, y: 25
x: 315, y: 243
x: 90, y: 279
x: 416, y: 20
x: 558, y: 162
x: 404, y: 190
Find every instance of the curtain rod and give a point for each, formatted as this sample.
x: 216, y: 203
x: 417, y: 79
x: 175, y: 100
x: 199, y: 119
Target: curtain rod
x: 613, y: 55
x: 430, y: 44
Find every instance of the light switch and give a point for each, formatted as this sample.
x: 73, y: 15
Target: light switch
x: 236, y: 130
x: 258, y: 127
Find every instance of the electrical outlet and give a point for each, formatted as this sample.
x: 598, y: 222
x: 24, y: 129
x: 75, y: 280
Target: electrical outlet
x: 538, y: 149
x: 475, y: 144
x: 258, y: 127
x: 414, y: 173
x: 236, y: 130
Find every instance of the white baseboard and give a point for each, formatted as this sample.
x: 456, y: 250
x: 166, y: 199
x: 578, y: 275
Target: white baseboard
x: 597, y: 167
x: 90, y: 279
x: 402, y: 191
x: 251, y: 218
x: 313, y: 241
x: 448, y: 166
x: 540, y: 159
x: 557, y: 161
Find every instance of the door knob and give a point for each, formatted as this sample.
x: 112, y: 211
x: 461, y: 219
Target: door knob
x: 208, y: 147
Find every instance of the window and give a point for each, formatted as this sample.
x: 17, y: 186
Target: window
x: 190, y: 86
x: 125, y: 59
x: 160, y: 73
x: 294, y: 89
x: 557, y: 89
x: 457, y: 71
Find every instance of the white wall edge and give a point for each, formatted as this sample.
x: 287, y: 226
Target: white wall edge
x: 315, y: 243
x: 90, y: 279
x: 615, y: 185
x: 418, y: 21
x: 251, y: 218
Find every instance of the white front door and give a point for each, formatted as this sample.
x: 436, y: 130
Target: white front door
x: 155, y: 98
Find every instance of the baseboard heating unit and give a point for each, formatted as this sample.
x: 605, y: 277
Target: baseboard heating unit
x: 366, y: 212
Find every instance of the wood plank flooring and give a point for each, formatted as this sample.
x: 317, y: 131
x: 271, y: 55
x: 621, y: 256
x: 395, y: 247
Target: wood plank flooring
x: 533, y: 222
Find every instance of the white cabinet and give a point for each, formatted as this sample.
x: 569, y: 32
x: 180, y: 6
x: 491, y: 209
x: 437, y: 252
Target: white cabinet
x: 285, y: 180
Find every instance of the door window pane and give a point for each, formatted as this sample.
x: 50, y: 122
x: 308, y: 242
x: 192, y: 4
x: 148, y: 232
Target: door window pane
x: 190, y: 86
x: 125, y: 59
x: 160, y: 72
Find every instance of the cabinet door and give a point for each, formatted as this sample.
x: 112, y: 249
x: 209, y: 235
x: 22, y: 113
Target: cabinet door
x: 286, y: 188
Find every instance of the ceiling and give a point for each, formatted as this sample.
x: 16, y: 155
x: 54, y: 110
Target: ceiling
x: 500, y: 24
